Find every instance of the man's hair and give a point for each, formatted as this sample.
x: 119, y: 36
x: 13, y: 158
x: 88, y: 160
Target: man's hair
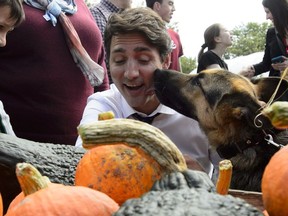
x: 140, y: 20
x: 150, y: 3
x: 17, y: 12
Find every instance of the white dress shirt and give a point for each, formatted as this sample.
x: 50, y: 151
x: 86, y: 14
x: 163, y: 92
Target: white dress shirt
x: 5, y: 121
x: 183, y: 131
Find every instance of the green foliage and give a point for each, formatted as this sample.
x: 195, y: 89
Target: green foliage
x: 187, y: 64
x: 247, y: 39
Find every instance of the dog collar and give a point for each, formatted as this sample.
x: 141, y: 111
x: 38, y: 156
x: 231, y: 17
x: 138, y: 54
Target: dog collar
x: 231, y: 150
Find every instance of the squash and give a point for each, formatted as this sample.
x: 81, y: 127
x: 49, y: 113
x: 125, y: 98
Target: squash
x: 277, y: 113
x: 185, y: 193
x: 56, y: 199
x: 56, y: 161
x: 125, y: 158
x: 274, y: 184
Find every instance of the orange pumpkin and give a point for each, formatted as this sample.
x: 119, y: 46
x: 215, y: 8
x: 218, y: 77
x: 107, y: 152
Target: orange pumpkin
x: 118, y: 170
x: 57, y: 199
x: 274, y: 184
x: 1, y: 205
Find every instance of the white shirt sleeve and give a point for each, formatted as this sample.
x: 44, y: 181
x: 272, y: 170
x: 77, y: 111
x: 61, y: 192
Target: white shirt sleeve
x: 6, y: 120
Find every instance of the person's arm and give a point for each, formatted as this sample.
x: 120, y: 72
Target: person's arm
x: 265, y: 64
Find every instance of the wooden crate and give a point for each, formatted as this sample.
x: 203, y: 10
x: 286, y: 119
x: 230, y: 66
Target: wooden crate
x: 252, y: 197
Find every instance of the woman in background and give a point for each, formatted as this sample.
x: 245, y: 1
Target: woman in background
x: 42, y: 88
x: 276, y: 41
x: 217, y: 39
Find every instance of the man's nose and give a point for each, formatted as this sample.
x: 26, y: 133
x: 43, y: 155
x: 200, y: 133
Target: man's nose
x: 131, y: 70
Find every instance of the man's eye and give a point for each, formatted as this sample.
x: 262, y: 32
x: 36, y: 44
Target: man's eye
x: 119, y: 60
x: 143, y: 61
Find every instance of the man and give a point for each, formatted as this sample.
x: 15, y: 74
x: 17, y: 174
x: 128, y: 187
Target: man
x: 165, y: 9
x: 136, y: 44
x: 101, y: 13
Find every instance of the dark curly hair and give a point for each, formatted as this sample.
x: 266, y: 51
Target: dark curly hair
x: 141, y: 20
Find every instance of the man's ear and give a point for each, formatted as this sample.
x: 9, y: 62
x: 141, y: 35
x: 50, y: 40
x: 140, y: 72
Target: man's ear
x: 166, y: 61
x: 156, y: 6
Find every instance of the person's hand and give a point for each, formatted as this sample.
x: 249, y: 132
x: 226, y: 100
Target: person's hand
x: 281, y: 66
x: 247, y: 72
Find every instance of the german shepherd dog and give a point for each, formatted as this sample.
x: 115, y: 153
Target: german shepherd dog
x: 227, y: 105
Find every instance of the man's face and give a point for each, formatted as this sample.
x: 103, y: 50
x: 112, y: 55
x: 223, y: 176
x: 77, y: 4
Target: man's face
x: 166, y: 9
x: 6, y: 24
x: 132, y: 64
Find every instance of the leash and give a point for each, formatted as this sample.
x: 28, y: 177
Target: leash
x: 270, y: 141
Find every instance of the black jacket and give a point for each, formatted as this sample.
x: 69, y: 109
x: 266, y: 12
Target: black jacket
x: 273, y: 48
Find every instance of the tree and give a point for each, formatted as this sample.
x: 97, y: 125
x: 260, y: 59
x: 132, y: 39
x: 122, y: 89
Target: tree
x: 187, y: 64
x: 247, y: 38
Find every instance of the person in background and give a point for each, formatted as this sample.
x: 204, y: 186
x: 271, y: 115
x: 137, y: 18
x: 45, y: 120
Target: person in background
x: 137, y: 43
x: 276, y: 41
x: 105, y: 8
x: 217, y: 39
x: 11, y: 16
x: 166, y: 8
x: 101, y: 13
x: 42, y: 88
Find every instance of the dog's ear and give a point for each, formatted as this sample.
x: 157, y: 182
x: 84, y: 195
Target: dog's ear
x: 265, y: 88
x: 250, y: 117
x: 245, y: 109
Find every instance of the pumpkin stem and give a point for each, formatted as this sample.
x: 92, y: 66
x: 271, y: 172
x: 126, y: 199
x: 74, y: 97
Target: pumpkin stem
x: 224, y: 178
x: 106, y: 116
x: 30, y: 179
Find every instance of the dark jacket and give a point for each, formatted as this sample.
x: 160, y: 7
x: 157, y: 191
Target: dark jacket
x: 274, y: 47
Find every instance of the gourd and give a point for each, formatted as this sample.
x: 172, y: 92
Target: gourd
x: 45, y: 198
x: 274, y: 184
x: 125, y: 157
x: 56, y: 161
x: 185, y: 193
x: 277, y: 112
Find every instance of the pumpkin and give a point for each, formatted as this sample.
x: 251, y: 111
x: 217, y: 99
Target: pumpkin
x: 274, y: 184
x: 1, y: 205
x: 118, y: 170
x: 57, y: 199
x: 125, y: 157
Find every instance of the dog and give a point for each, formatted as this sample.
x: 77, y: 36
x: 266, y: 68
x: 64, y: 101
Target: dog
x: 228, y: 108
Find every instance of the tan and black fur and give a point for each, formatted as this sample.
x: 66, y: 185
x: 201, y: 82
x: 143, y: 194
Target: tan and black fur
x: 226, y: 105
